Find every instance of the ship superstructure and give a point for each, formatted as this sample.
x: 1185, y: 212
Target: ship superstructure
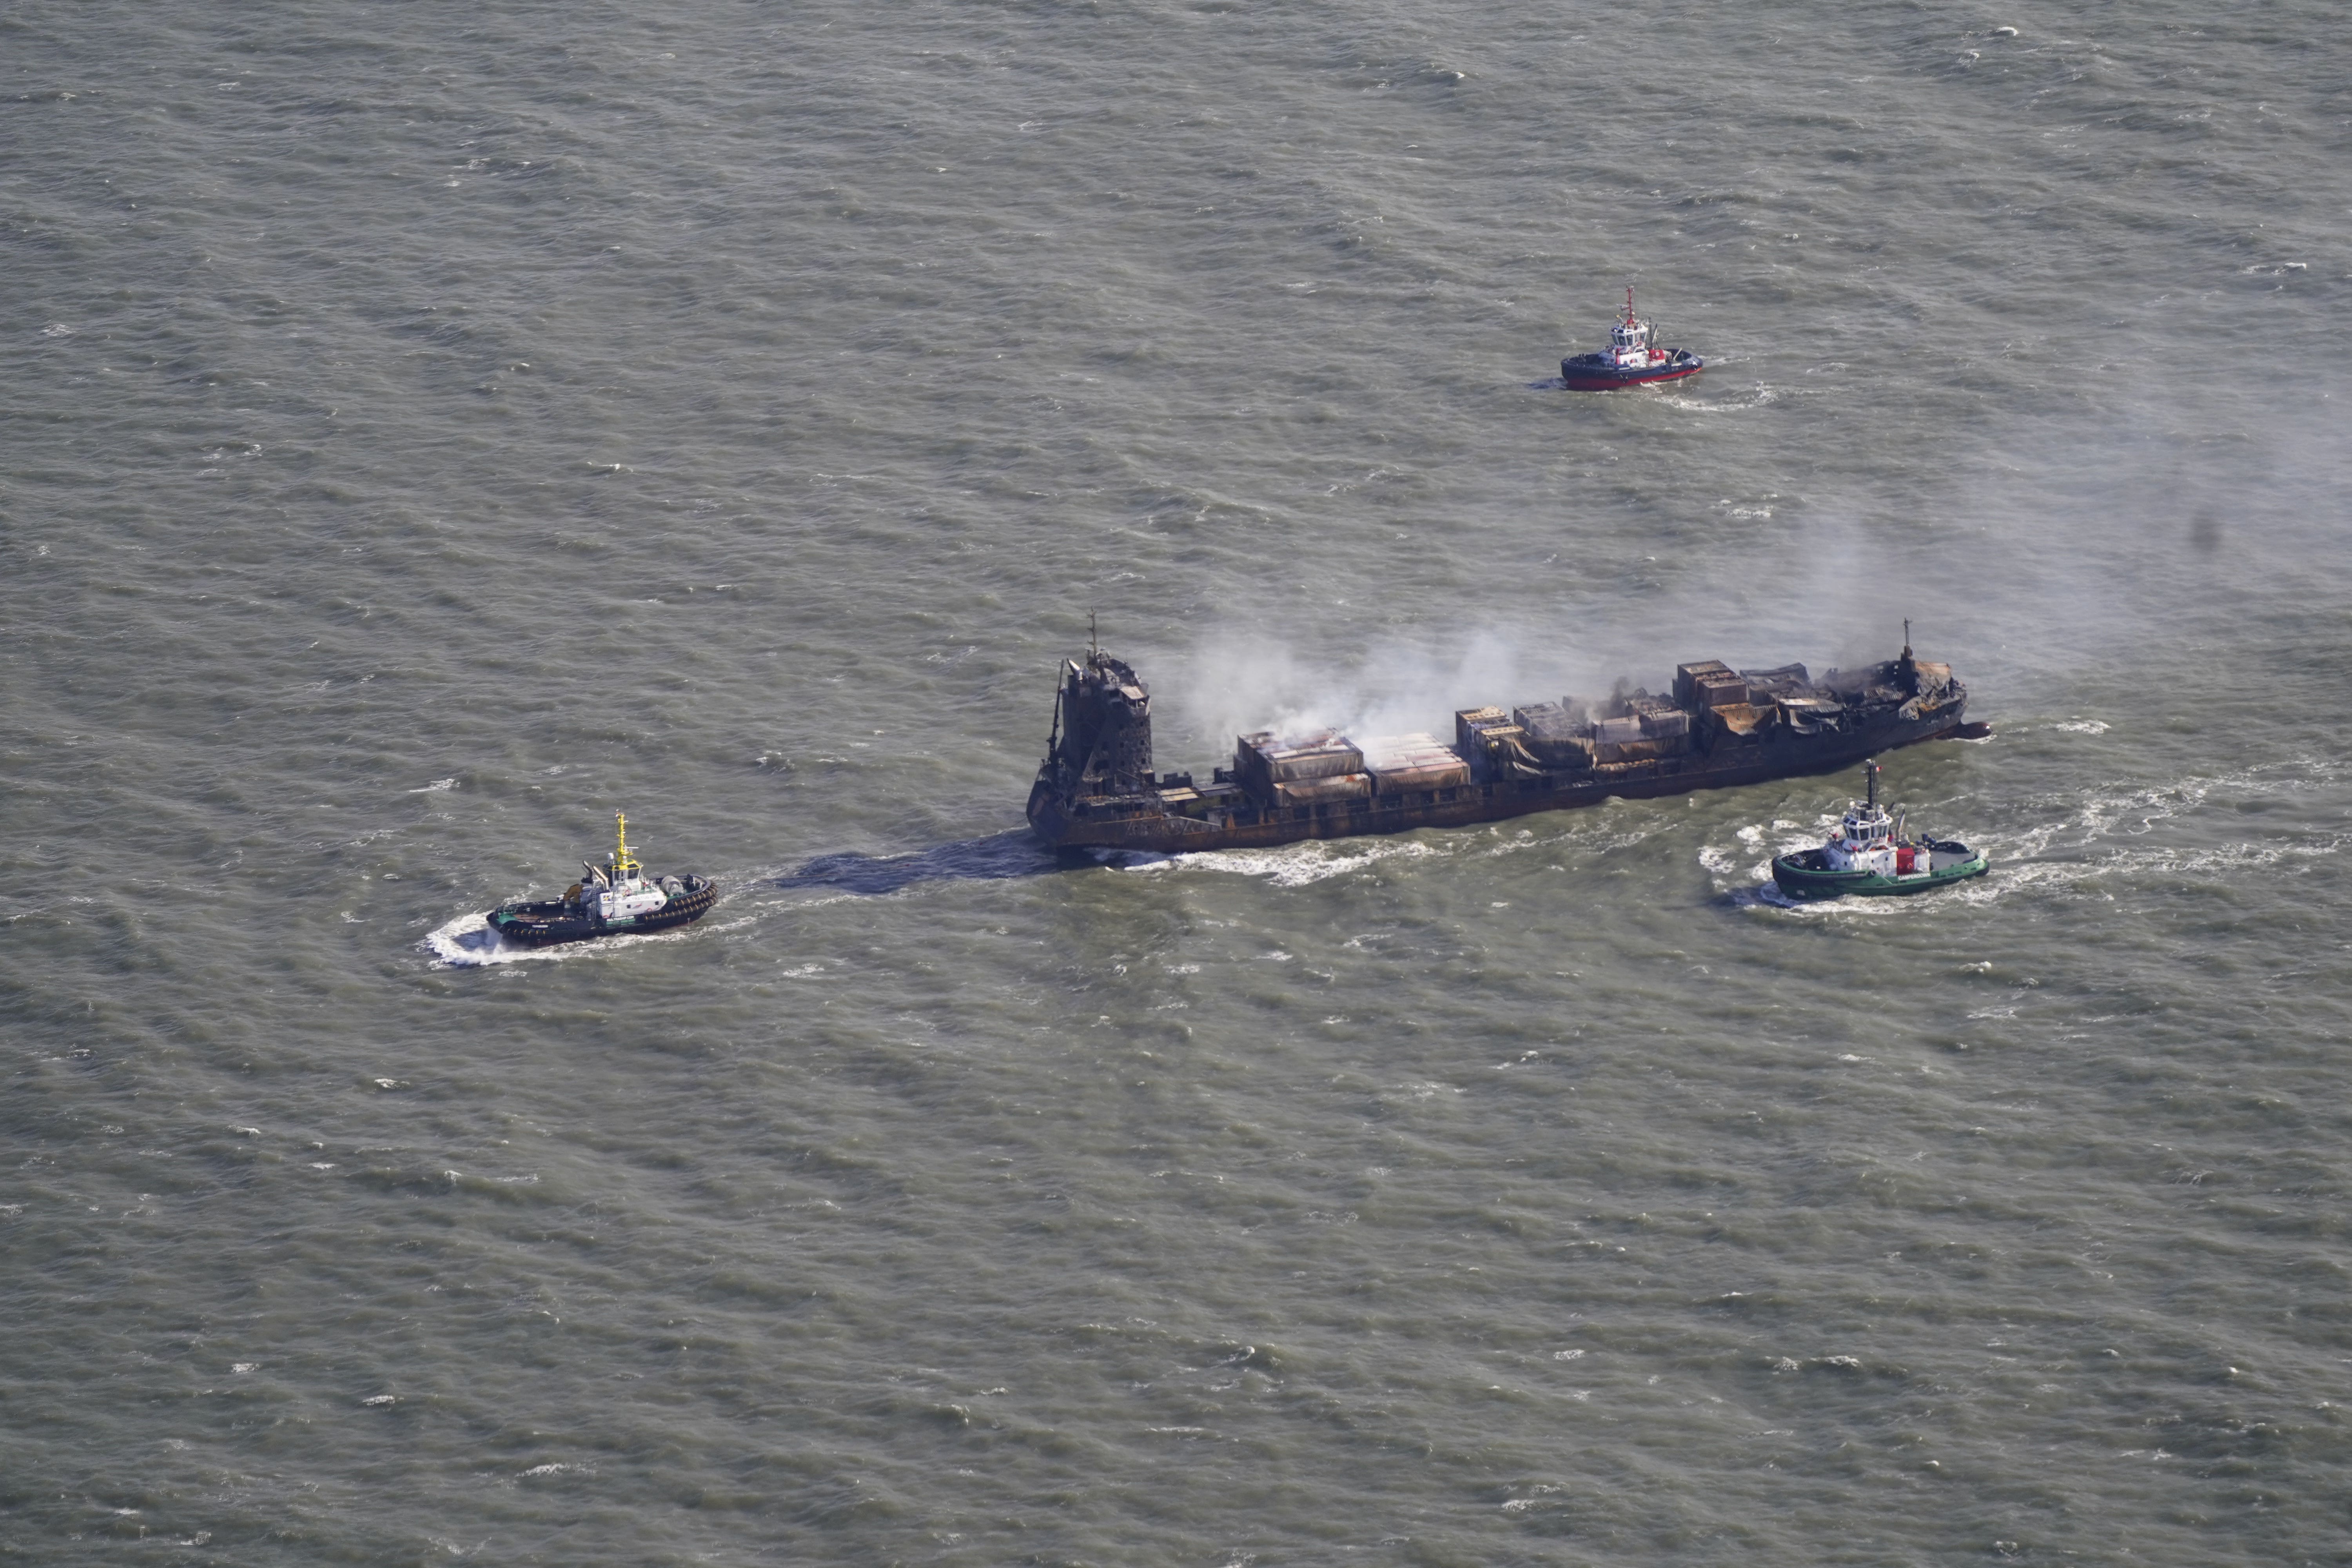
x: 1719, y: 727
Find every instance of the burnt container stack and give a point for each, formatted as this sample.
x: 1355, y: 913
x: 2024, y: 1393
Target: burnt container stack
x: 1401, y: 765
x: 1321, y: 768
x: 1490, y: 740
x: 1558, y: 734
x: 1721, y: 697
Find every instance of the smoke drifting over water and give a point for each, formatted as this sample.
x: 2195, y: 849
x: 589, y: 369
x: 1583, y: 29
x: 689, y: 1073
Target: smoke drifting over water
x: 1243, y: 683
x: 2054, y: 550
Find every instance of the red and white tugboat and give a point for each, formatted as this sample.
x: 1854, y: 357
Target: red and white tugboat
x: 1630, y: 360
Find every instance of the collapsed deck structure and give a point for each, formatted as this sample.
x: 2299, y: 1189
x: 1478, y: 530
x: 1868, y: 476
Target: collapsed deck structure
x: 1719, y: 727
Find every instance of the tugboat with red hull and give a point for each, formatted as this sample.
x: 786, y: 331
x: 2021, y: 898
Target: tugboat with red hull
x: 1632, y: 358
x: 1097, y: 790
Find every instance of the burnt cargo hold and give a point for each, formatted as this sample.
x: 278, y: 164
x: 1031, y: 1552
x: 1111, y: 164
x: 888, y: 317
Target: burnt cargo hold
x: 1719, y: 727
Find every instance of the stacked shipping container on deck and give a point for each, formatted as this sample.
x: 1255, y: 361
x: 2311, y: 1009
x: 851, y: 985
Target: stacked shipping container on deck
x: 1323, y: 767
x: 1712, y: 704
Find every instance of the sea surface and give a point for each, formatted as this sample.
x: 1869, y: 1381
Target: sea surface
x: 427, y: 429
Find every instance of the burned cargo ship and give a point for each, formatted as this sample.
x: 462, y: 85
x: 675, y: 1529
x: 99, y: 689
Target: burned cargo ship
x: 1720, y: 727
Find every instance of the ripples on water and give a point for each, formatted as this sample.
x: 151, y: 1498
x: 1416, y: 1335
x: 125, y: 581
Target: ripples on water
x: 428, y: 433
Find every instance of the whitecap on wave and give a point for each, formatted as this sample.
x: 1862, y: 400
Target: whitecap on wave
x: 2088, y: 820
x: 1767, y: 895
x: 469, y: 942
x: 1760, y: 397
x: 1292, y: 866
x: 1719, y: 861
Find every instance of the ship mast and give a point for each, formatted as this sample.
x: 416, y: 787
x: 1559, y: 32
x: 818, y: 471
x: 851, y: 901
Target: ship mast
x: 622, y: 863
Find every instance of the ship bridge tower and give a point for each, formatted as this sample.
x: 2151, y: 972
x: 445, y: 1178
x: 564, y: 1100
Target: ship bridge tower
x: 1101, y: 744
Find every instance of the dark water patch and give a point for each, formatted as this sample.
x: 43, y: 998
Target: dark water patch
x: 999, y: 858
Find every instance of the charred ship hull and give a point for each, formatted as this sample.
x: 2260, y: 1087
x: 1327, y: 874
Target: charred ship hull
x: 1721, y: 728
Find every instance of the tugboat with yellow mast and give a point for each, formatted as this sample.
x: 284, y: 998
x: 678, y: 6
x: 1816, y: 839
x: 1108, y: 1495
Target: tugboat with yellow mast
x: 611, y: 899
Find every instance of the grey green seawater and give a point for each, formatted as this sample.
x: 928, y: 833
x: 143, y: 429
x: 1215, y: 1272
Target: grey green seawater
x: 429, y: 429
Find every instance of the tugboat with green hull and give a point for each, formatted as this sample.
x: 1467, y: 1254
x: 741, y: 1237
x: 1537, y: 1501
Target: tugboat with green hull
x: 616, y: 898
x: 1869, y: 856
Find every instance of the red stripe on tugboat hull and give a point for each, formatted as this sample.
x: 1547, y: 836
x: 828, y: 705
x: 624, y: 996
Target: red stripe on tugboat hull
x: 1589, y: 381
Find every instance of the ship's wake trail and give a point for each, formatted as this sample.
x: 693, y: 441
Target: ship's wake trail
x: 994, y: 858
